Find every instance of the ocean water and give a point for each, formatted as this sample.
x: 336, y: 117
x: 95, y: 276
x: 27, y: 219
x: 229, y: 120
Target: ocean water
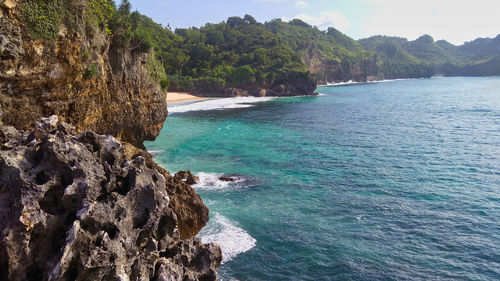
x: 385, y: 181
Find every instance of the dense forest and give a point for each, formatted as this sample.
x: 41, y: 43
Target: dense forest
x: 239, y: 53
x: 425, y: 57
x: 241, y: 56
x: 329, y: 55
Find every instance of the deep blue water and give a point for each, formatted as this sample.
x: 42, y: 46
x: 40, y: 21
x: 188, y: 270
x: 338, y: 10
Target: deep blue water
x: 385, y: 181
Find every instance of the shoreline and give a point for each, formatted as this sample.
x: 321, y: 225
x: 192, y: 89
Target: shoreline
x: 175, y: 97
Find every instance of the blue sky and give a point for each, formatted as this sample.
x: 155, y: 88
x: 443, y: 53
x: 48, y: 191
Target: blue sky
x: 454, y: 20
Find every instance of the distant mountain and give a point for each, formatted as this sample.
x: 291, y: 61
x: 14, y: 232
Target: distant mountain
x: 400, y: 56
x: 329, y: 55
x: 479, y: 49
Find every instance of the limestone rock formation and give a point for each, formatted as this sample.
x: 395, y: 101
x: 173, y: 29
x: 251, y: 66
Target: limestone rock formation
x: 89, y: 81
x: 10, y: 40
x: 74, y: 208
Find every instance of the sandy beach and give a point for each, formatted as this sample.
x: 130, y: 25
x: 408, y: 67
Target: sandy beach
x: 173, y: 97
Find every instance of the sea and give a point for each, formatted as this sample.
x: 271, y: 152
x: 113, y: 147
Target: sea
x: 395, y: 180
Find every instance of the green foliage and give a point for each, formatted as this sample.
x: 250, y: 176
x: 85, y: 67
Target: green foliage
x: 488, y: 67
x: 244, y: 75
x: 85, y: 55
x: 209, y: 84
x: 180, y: 83
x: 42, y: 18
x: 164, y: 84
x: 332, y: 54
x: 242, y: 52
x: 156, y: 72
x: 427, y: 51
x: 92, y: 71
x: 101, y: 12
x: 409, y: 59
x: 239, y: 53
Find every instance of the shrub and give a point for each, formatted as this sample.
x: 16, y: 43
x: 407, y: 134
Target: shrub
x: 156, y: 71
x: 98, y: 16
x: 244, y: 75
x: 91, y: 72
x: 164, y: 84
x: 42, y: 18
x: 209, y: 84
x: 180, y: 83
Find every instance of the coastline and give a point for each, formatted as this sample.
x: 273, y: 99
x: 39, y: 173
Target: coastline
x: 175, y: 97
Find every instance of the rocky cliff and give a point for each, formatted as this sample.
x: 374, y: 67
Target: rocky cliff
x: 282, y: 90
x: 85, y: 80
x: 333, y: 70
x: 79, y: 205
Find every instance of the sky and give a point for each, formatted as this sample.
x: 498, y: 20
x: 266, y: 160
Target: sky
x: 456, y: 21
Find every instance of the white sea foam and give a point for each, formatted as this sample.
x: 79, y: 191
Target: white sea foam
x: 155, y: 153
x: 232, y: 239
x: 218, y: 104
x: 351, y: 82
x: 211, y: 181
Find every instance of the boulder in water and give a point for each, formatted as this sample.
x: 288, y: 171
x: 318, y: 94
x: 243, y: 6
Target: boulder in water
x: 227, y: 178
x: 188, y: 177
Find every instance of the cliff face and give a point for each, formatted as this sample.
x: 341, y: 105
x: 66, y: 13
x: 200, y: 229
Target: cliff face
x: 328, y: 70
x: 74, y: 204
x: 88, y: 82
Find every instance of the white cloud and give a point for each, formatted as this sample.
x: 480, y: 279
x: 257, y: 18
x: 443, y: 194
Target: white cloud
x: 324, y: 20
x: 301, y: 4
x: 455, y: 21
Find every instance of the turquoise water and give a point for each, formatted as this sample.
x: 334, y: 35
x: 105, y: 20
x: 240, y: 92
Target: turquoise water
x: 384, y: 181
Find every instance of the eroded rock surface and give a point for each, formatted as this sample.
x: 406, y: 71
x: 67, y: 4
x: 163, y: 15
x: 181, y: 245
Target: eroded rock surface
x: 11, y: 44
x: 90, y: 82
x: 74, y: 208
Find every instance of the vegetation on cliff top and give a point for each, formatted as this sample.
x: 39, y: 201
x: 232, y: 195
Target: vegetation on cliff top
x: 237, y: 53
x: 243, y: 53
x: 329, y: 55
x: 42, y: 18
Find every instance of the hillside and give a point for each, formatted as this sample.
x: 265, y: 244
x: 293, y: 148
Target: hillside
x: 243, y: 57
x: 236, y: 57
x: 424, y: 57
x: 329, y: 55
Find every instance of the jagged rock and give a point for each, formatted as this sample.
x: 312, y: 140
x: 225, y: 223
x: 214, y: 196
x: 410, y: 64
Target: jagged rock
x: 228, y: 178
x: 198, y: 253
x: 74, y: 208
x: 11, y: 43
x: 188, y: 177
x: 191, y: 212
